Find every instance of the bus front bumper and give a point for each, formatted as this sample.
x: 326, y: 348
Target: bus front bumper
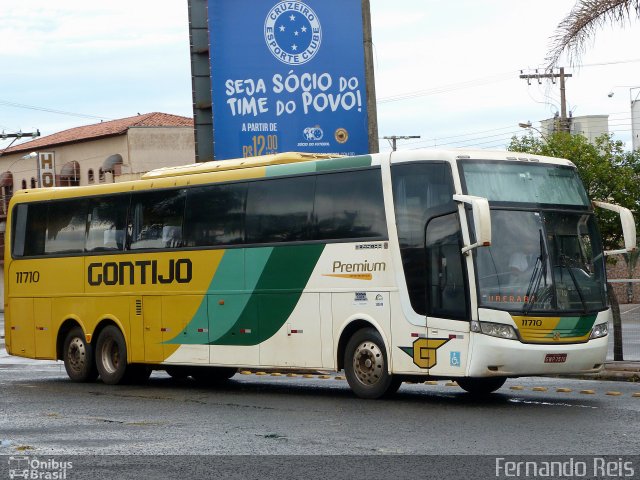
x: 492, y: 356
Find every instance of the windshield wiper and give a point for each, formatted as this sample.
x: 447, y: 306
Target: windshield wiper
x: 564, y: 264
x: 539, y: 272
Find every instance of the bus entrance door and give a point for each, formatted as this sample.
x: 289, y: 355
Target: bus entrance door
x: 449, y: 341
x: 447, y: 297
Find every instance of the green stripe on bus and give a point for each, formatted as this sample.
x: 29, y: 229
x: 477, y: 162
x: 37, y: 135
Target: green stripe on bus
x: 341, y: 163
x: 570, y: 327
x: 276, y: 294
x: 290, y: 169
x: 319, y: 166
x: 582, y: 326
x: 260, y: 303
x: 234, y: 280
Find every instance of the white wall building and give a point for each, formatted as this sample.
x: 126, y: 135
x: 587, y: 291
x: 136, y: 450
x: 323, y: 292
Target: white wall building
x: 112, y: 151
x: 591, y: 126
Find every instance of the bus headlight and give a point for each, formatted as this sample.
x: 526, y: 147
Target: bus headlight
x: 600, y: 330
x: 499, y: 330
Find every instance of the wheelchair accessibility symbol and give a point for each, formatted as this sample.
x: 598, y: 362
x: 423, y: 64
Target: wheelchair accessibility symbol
x: 454, y: 359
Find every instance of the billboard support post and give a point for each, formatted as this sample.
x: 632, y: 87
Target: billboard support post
x: 298, y: 76
x: 370, y: 77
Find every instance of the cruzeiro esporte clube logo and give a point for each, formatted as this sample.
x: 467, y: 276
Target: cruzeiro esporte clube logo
x: 293, y: 33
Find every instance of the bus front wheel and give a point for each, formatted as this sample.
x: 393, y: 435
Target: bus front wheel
x: 111, y: 356
x: 481, y: 386
x: 366, y: 365
x: 78, y: 357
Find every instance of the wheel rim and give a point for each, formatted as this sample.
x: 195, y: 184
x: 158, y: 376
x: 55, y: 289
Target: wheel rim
x: 110, y: 356
x: 368, y: 363
x: 77, y: 355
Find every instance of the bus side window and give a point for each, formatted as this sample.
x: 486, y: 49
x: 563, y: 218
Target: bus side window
x: 446, y: 288
x: 280, y: 210
x: 215, y: 215
x: 349, y: 205
x: 29, y: 229
x: 420, y: 191
x: 156, y: 219
x: 107, y: 220
x: 66, y: 227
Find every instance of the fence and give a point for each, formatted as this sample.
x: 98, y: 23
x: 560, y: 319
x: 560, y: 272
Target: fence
x: 630, y: 315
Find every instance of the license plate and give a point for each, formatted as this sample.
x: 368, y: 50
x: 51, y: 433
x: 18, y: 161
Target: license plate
x: 555, y: 358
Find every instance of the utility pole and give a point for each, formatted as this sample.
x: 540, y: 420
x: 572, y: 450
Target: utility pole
x: 564, y: 124
x: 16, y: 136
x: 394, y: 138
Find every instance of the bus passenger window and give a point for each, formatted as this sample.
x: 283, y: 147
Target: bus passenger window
x: 350, y: 205
x: 420, y: 191
x: 66, y: 227
x: 29, y: 230
x: 446, y: 286
x: 280, y: 210
x: 155, y: 219
x: 107, y: 221
x: 215, y: 215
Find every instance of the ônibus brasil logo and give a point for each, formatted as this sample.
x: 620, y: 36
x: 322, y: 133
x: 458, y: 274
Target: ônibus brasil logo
x: 292, y: 32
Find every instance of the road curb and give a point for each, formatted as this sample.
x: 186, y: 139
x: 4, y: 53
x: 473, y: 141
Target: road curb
x: 612, y: 375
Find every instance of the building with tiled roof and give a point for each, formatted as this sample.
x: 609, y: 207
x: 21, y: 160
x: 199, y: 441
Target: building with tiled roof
x: 103, y: 130
x: 116, y: 150
x: 111, y: 151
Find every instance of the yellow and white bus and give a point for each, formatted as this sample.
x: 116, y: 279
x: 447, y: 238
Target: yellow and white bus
x: 468, y: 265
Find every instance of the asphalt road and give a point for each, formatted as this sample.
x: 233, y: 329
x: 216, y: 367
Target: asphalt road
x: 268, y: 419
x: 43, y: 412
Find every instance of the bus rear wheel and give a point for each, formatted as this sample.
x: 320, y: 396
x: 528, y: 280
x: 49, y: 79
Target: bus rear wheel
x: 78, y: 357
x: 366, y: 366
x: 111, y: 356
x: 481, y: 386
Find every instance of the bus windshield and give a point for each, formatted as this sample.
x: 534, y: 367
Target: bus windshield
x: 524, y: 182
x: 542, y: 261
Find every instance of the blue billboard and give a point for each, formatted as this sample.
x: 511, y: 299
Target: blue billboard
x: 287, y: 76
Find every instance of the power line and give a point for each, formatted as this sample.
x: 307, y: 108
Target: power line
x: 17, y: 136
x: 449, y: 137
x: 50, y: 110
x: 564, y: 125
x: 446, y: 88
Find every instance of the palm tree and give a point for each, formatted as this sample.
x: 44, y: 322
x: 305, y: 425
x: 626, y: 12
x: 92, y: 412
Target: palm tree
x: 583, y: 20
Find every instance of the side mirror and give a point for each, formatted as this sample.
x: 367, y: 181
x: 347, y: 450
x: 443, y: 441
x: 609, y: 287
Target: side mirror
x: 628, y: 227
x: 481, y: 220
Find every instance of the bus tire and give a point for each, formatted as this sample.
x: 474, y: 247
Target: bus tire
x: 79, y: 361
x: 481, y: 386
x: 111, y: 356
x: 366, y: 366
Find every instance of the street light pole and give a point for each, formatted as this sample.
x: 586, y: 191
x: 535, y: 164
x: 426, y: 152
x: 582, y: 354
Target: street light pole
x: 634, y: 104
x: 16, y: 136
x: 394, y: 138
x: 529, y: 125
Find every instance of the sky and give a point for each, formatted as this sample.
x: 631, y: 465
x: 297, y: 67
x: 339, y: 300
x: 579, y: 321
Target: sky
x: 446, y: 71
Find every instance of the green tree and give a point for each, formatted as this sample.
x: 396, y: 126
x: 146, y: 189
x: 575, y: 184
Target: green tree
x: 581, y: 23
x: 609, y: 173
